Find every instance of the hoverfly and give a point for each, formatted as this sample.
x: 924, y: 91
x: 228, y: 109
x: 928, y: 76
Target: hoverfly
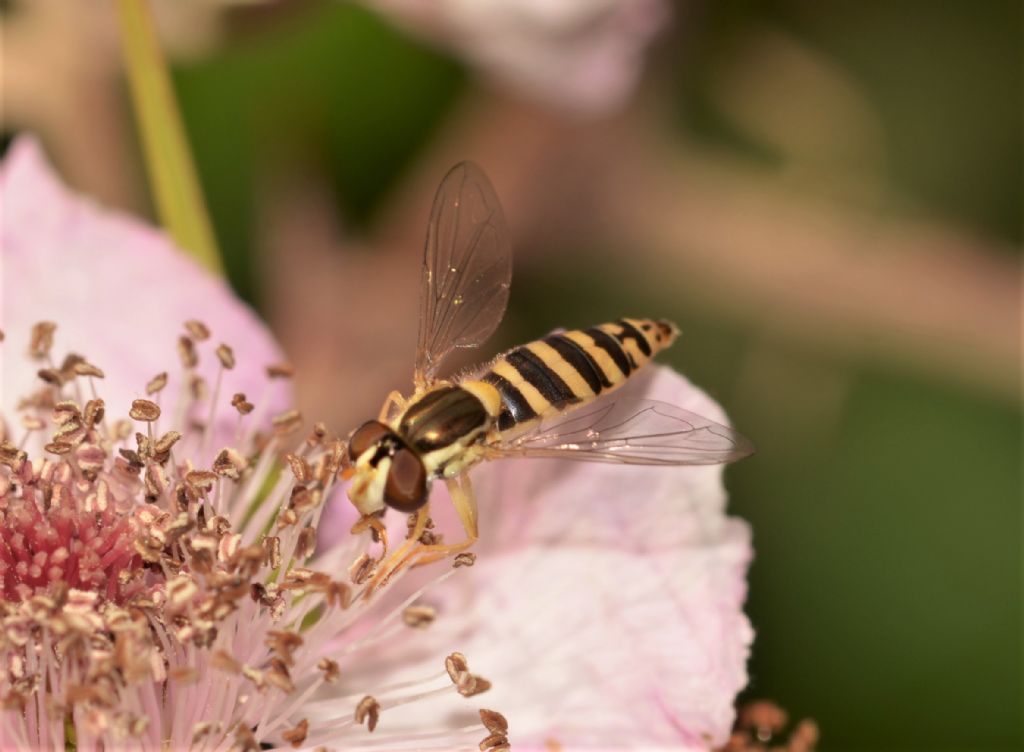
x: 548, y: 398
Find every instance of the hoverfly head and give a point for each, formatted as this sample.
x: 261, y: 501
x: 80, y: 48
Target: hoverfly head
x: 385, y: 471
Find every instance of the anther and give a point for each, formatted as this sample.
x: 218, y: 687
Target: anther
x: 243, y: 406
x: 419, y: 617
x: 296, y: 736
x: 287, y: 422
x: 361, y: 569
x: 279, y: 676
x: 197, y: 329
x: 306, y: 543
x: 272, y: 545
x: 284, y: 643
x: 187, y: 353
x: 493, y: 721
x: 163, y: 445
x: 51, y: 376
x: 466, y: 559
x: 32, y: 423
x: 317, y: 435
x: 223, y: 661
x: 229, y: 463
x: 144, y: 410
x: 338, y: 593
x: 87, y: 369
x: 41, y: 339
x: 201, y: 480
x: 300, y: 468
x: 330, y: 668
x: 494, y: 743
x: 226, y: 356
x: 470, y: 685
x: 157, y: 383
x: 368, y: 710
x: 94, y: 410
x: 466, y: 683
x: 58, y: 447
x: 455, y: 664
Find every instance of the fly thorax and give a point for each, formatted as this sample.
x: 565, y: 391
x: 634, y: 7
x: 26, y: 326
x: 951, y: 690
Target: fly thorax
x: 442, y: 425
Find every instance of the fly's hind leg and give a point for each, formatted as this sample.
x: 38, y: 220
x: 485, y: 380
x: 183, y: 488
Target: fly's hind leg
x: 464, y: 502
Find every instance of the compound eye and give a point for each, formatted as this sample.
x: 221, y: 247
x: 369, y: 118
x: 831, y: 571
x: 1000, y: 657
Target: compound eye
x: 406, y: 485
x: 365, y: 437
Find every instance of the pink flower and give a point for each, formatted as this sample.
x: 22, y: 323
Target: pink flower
x: 583, y: 55
x: 155, y: 599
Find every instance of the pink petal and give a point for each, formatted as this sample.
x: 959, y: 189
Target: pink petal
x: 604, y: 648
x: 119, y: 292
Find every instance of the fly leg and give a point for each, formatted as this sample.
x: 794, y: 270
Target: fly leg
x: 464, y: 501
x: 413, y: 553
x: 404, y: 555
x: 395, y: 400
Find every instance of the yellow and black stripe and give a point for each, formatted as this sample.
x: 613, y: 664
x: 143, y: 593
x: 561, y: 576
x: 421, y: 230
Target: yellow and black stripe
x: 569, y: 369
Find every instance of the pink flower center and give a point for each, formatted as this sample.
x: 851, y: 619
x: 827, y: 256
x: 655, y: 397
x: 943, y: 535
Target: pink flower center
x: 86, y: 550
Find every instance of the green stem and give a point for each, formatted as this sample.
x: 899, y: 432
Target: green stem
x: 172, y: 175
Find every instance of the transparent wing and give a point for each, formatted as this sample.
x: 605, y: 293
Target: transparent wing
x: 467, y: 268
x: 630, y: 431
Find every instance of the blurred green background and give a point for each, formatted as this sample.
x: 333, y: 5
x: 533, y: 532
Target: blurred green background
x: 885, y: 498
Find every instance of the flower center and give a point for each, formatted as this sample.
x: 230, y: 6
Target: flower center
x: 65, y: 545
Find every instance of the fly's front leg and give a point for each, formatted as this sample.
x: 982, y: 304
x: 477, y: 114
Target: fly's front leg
x: 405, y: 554
x: 413, y: 553
x: 395, y: 400
x: 464, y: 501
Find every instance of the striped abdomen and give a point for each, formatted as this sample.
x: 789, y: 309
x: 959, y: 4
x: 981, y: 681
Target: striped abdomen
x: 569, y: 369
